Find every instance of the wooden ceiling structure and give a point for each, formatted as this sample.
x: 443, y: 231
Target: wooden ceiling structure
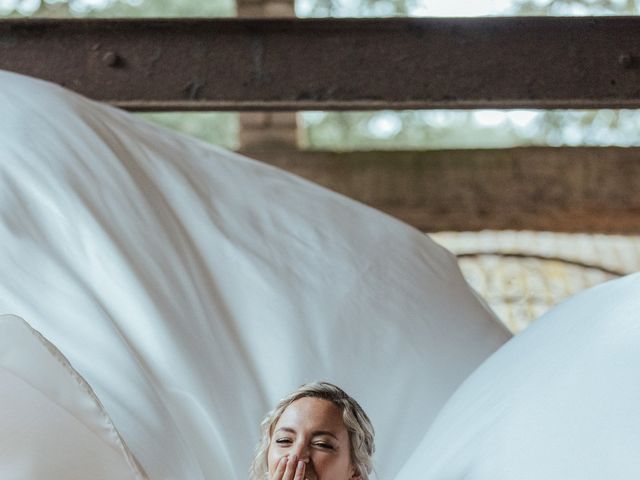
x: 370, y: 64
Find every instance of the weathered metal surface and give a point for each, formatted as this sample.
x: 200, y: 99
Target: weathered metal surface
x: 556, y: 189
x: 297, y: 64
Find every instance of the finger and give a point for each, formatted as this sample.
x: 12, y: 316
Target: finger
x: 300, y: 470
x: 291, y: 467
x: 280, y: 466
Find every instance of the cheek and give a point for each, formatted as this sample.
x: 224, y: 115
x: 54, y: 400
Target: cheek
x: 273, y: 455
x: 271, y: 459
x: 329, y: 466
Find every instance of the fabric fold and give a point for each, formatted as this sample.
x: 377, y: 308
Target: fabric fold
x: 53, y: 426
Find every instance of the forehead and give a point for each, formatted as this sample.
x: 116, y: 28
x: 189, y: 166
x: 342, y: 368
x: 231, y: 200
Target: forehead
x: 310, y: 414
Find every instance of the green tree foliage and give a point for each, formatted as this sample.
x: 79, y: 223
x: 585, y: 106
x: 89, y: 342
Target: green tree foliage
x: 219, y: 128
x: 385, y: 8
x: 361, y: 8
x: 117, y: 8
x: 574, y: 7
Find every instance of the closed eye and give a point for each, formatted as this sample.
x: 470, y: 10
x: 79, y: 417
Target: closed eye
x: 324, y: 445
x: 283, y: 441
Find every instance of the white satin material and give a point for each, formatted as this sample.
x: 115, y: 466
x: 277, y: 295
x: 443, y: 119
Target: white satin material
x: 560, y: 401
x: 51, y: 424
x: 193, y: 287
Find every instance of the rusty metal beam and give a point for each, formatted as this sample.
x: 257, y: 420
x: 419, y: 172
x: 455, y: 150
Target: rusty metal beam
x: 556, y: 189
x: 334, y: 64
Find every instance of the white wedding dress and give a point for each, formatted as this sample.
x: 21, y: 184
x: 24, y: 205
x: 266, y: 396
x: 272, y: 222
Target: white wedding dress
x: 192, y: 288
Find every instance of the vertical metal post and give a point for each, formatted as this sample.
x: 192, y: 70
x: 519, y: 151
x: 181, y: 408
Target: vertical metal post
x: 267, y: 130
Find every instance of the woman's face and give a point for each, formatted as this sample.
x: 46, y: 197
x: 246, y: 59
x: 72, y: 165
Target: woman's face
x: 311, y: 430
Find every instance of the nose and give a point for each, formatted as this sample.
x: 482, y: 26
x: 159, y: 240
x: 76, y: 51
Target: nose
x: 302, y: 452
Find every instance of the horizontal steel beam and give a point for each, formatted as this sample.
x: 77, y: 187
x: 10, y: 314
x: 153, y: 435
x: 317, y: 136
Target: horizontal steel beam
x: 334, y: 64
x: 556, y: 189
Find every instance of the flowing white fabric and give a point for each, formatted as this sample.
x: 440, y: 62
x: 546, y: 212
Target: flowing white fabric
x: 51, y: 424
x: 560, y: 401
x: 192, y: 287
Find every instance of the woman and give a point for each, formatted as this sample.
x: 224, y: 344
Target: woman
x: 317, y: 432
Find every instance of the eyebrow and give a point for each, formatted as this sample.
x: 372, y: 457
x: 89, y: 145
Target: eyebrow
x: 313, y: 434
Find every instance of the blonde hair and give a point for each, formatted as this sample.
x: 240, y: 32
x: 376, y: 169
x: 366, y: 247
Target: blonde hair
x: 358, y: 425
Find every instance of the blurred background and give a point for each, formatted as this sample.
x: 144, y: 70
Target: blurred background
x: 520, y: 273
